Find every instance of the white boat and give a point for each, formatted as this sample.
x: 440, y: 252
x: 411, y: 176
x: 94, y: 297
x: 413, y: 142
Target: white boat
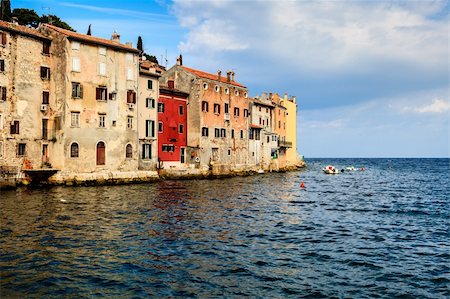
x: 350, y: 168
x: 329, y: 169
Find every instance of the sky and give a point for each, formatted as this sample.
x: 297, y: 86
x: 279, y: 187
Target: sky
x: 371, y: 77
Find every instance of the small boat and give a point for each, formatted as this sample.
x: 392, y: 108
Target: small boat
x: 260, y: 171
x: 330, y: 170
x: 350, y: 168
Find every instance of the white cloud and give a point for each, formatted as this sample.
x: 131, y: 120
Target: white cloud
x: 437, y: 106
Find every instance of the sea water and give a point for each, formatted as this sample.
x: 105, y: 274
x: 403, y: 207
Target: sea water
x: 381, y: 232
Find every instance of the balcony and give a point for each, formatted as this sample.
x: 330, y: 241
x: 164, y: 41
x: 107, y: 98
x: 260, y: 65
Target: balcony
x: 286, y: 144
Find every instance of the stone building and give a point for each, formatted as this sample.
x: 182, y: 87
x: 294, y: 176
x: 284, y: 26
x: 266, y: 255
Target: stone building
x: 263, y: 146
x: 290, y: 104
x: 148, y: 94
x: 27, y: 99
x: 95, y: 112
x: 217, y: 124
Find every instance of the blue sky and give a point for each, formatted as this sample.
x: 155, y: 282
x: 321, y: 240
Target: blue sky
x: 371, y: 77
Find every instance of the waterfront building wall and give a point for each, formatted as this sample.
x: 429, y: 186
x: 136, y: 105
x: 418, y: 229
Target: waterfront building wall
x: 290, y: 103
x: 27, y: 98
x: 280, y: 113
x: 97, y: 83
x: 147, y: 107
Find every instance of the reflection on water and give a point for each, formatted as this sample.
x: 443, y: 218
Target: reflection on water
x: 353, y: 235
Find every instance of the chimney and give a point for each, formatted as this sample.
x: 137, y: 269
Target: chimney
x: 180, y: 60
x: 115, y: 37
x: 219, y: 75
x: 129, y: 44
x: 15, y: 21
x: 228, y: 76
x: 285, y: 96
x: 270, y: 95
x: 171, y: 83
x: 232, y: 76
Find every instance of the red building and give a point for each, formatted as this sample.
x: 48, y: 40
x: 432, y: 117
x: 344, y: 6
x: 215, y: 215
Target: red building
x: 172, y: 124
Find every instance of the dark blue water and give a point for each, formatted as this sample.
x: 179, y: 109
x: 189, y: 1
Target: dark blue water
x: 383, y: 233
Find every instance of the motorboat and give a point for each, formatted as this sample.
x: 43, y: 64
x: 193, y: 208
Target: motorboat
x: 351, y: 168
x: 329, y: 169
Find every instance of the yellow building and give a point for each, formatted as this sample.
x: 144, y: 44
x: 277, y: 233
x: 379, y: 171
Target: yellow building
x: 291, y: 129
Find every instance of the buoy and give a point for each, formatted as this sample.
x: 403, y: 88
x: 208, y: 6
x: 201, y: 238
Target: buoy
x: 362, y: 169
x: 302, y: 185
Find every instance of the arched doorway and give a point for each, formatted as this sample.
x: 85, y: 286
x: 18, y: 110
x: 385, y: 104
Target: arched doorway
x: 101, y: 153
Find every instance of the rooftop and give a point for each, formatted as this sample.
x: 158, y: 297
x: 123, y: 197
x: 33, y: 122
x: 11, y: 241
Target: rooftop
x: 92, y: 39
x: 24, y: 30
x: 210, y: 76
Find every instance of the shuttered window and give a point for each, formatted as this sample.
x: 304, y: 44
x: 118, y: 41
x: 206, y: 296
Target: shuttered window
x: 2, y: 93
x: 3, y: 38
x: 131, y: 96
x: 45, y: 97
x: 101, y: 93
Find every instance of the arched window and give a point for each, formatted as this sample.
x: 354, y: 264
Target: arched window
x: 74, y: 150
x: 101, y: 153
x: 129, y: 151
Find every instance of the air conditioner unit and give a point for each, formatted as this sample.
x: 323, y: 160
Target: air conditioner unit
x: 226, y: 116
x: 44, y: 107
x: 130, y: 106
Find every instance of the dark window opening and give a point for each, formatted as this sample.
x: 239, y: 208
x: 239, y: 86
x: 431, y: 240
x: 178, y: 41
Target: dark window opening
x: 205, y: 132
x: 45, y: 97
x: 77, y: 90
x: 101, y: 93
x: 46, y: 47
x: 205, y: 106
x: 129, y: 151
x: 15, y: 127
x: 21, y: 149
x: 45, y: 73
x: 131, y: 97
x: 74, y: 150
x: 161, y: 107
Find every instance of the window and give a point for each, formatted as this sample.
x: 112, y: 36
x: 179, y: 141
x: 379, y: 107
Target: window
x: 77, y: 90
x: 45, y: 97
x: 260, y: 122
x: 236, y: 111
x: 168, y: 148
x: 160, y: 126
x: 223, y: 133
x: 46, y: 47
x: 161, y: 107
x: 44, y: 129
x: 130, y: 74
x: 227, y: 91
x: 74, y: 150
x: 205, y: 86
x: 101, y: 93
x: 149, y: 128
x: 75, y: 119
x: 245, y: 112
x: 2, y: 93
x: 242, y: 134
x: 279, y: 124
x: 129, y: 151
x: 229, y: 152
x: 205, y: 132
x: 245, y: 95
x: 76, y: 64
x: 102, y: 69
x: 232, y: 133
x: 102, y: 51
x: 76, y: 46
x: 236, y: 93
x: 217, y: 88
x: 14, y: 127
x: 181, y: 129
x: 181, y: 110
x: 2, y: 65
x: 227, y: 106
x: 21, y: 149
x: 101, y: 120
x: 257, y: 134
x: 131, y: 96
x: 268, y: 139
x: 150, y: 84
x: 267, y: 110
x: 216, y: 132
x: 250, y: 134
x: 113, y: 96
x: 204, y: 106
x: 216, y: 109
x: 150, y: 102
x: 1, y: 149
x: 3, y: 38
x: 129, y: 122
x: 45, y: 73
x: 146, y: 151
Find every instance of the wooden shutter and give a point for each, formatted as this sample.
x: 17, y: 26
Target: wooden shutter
x: 3, y: 94
x: 98, y: 93
x: 3, y: 38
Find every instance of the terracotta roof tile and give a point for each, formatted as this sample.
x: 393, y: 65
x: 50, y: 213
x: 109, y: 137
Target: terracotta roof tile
x: 92, y: 39
x: 210, y: 76
x: 22, y: 30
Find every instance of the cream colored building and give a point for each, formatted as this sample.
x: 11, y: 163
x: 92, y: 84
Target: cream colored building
x: 27, y: 98
x: 147, y: 107
x: 95, y: 106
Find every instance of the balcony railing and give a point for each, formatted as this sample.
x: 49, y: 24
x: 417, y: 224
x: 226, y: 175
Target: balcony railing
x: 287, y: 144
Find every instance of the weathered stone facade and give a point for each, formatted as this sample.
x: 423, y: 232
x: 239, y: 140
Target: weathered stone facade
x: 27, y: 98
x: 217, y: 119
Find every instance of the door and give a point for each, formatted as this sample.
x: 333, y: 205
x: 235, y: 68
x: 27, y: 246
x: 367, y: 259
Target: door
x: 44, y: 153
x: 182, y: 154
x: 101, y: 153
